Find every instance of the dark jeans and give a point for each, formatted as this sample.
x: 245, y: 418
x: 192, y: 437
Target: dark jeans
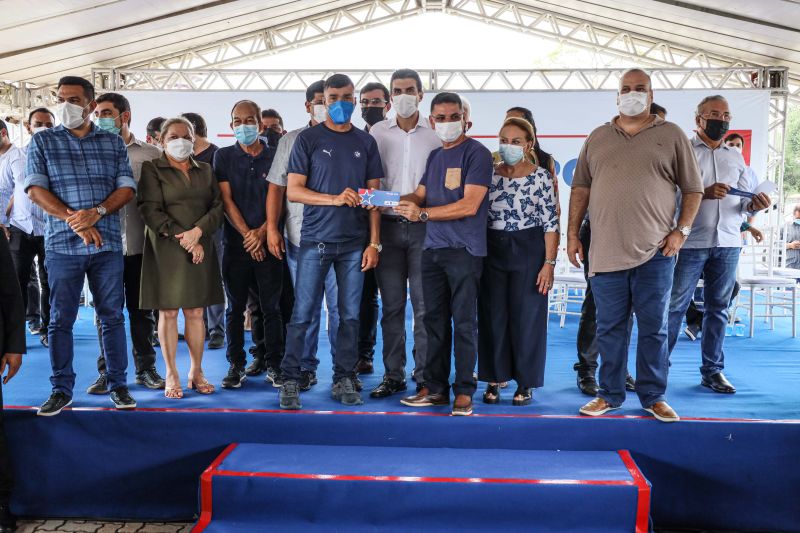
x: 259, y: 348
x: 450, y: 281
x: 313, y: 264
x: 645, y: 290
x: 368, y: 317
x: 399, y: 269
x: 105, y: 273
x: 588, y: 351
x: 718, y: 268
x: 6, y: 477
x: 141, y: 322
x: 24, y: 248
x: 240, y: 272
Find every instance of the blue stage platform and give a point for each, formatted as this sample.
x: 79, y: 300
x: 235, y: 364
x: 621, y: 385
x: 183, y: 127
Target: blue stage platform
x: 732, y: 464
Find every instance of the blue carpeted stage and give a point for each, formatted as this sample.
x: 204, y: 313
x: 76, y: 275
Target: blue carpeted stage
x: 732, y: 463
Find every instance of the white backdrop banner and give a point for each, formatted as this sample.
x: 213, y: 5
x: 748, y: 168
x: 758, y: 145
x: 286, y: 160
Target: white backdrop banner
x: 563, y: 119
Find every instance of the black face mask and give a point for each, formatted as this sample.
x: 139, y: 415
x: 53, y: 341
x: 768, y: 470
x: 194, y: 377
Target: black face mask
x: 272, y: 138
x: 372, y: 115
x: 716, y: 129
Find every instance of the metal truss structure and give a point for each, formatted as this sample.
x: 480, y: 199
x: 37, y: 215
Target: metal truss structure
x: 212, y: 67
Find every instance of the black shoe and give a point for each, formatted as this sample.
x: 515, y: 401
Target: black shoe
x: 718, y: 383
x: 8, y: 522
x: 630, y: 384
x: 122, y: 399
x: 492, y: 394
x: 364, y: 366
x: 255, y: 368
x: 308, y: 379
x: 45, y: 340
x: 181, y: 337
x: 100, y: 385
x: 522, y: 397
x: 290, y: 396
x: 216, y: 341
x: 150, y: 379
x: 54, y: 404
x: 345, y: 391
x: 235, y: 377
x: 35, y: 328
x: 274, y: 376
x: 387, y: 388
x: 587, y: 383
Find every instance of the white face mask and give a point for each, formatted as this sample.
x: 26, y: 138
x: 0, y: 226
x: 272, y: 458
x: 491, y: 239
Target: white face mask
x: 70, y: 115
x: 405, y: 104
x: 449, y: 131
x: 320, y: 113
x: 37, y: 130
x: 737, y: 148
x: 180, y: 149
x: 632, y: 103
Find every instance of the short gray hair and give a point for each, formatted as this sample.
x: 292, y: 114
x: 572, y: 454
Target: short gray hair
x: 177, y: 120
x: 707, y: 99
x: 465, y: 107
x: 636, y: 70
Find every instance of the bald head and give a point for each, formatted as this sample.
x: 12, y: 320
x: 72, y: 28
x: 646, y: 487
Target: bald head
x: 633, y: 78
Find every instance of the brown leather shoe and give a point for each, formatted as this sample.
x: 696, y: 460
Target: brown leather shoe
x: 596, y: 407
x: 462, y: 406
x: 364, y: 366
x: 663, y: 412
x: 424, y: 398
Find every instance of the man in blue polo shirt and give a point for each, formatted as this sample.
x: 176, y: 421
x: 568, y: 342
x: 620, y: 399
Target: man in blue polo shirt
x: 81, y: 176
x: 242, y: 171
x: 329, y: 163
x: 454, y: 191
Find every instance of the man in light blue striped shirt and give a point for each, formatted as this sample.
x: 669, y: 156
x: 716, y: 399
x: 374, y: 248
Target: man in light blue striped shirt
x: 81, y: 176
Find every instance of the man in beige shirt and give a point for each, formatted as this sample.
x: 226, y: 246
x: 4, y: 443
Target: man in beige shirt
x: 627, y: 175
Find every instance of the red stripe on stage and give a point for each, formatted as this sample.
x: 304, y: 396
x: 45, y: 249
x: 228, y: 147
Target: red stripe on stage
x: 426, y: 479
x: 403, y: 413
x: 643, y: 499
x: 206, y: 489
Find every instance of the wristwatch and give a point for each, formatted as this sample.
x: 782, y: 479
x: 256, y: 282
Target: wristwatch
x: 378, y: 246
x: 685, y: 230
x: 550, y: 262
x: 101, y: 210
x: 423, y: 216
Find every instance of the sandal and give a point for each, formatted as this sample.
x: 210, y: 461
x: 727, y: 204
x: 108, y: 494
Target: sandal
x: 492, y: 394
x: 174, y: 393
x: 203, y: 387
x: 522, y: 396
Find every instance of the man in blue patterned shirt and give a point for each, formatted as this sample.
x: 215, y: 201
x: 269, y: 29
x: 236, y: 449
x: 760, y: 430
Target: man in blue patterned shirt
x: 80, y: 174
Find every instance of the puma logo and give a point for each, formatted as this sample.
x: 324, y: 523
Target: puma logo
x: 329, y: 152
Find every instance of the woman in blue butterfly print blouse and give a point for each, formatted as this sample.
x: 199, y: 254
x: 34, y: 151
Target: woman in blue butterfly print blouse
x: 523, y: 236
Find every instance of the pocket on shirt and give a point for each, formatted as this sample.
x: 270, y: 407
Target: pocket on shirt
x: 452, y: 179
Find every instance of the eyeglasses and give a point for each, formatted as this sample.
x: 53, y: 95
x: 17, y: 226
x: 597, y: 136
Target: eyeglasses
x: 372, y: 102
x: 716, y: 115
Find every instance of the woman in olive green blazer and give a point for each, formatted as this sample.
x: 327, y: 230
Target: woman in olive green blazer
x: 181, y: 205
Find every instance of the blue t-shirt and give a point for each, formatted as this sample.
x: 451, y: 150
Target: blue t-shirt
x: 247, y: 176
x: 333, y: 161
x: 446, y: 174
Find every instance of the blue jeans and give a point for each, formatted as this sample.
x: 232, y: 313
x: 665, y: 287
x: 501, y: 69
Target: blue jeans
x: 718, y: 268
x: 66, y: 274
x: 313, y: 266
x: 309, y: 360
x: 645, y: 290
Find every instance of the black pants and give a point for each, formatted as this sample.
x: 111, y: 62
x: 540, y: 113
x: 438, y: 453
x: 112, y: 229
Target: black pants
x: 450, y: 281
x: 512, y: 313
x: 141, y: 322
x: 33, y: 310
x: 240, y: 272
x: 588, y: 351
x: 6, y: 478
x: 368, y: 317
x: 258, y: 349
x: 24, y: 248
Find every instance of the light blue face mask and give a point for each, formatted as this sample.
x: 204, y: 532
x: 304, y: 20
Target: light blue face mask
x: 246, y: 134
x: 108, y: 124
x: 797, y: 221
x: 341, y: 111
x: 511, y: 154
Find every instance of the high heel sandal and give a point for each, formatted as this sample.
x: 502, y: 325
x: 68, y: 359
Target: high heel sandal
x: 173, y: 393
x: 522, y: 396
x: 492, y: 394
x: 204, y: 387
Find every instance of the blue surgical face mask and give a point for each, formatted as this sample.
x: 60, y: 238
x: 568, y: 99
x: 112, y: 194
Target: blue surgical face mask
x: 511, y: 154
x: 246, y: 134
x: 341, y: 111
x: 108, y: 124
x: 797, y: 221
